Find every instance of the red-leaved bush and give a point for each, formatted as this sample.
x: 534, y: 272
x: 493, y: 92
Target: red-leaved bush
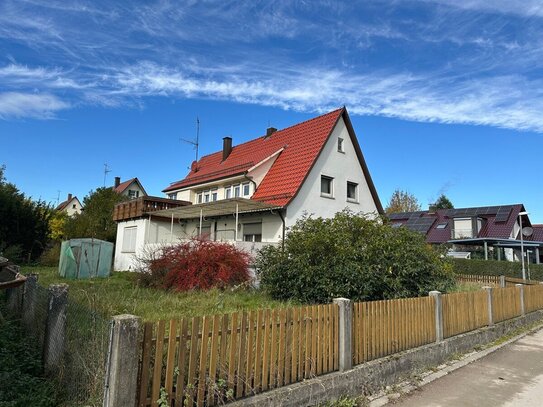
x: 195, y: 264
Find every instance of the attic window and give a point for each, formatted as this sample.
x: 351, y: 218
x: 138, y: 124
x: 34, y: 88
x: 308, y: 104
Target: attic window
x: 340, y: 146
x: 327, y: 186
x: 441, y: 226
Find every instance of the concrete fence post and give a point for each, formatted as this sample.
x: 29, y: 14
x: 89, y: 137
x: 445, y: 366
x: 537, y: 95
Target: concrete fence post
x: 439, y: 314
x: 502, y: 281
x: 345, y: 333
x: 55, y: 327
x: 489, y: 291
x: 122, y: 369
x: 521, y: 295
x: 29, y: 301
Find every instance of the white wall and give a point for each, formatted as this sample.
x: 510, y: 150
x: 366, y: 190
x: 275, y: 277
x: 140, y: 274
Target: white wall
x: 70, y: 210
x: 125, y: 260
x: 342, y: 167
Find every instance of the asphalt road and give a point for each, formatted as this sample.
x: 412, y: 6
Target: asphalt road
x: 510, y: 377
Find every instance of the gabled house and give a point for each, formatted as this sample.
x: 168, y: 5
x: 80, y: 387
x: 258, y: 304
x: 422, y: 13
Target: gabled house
x: 71, y: 205
x: 131, y: 188
x: 496, y: 230
x: 249, y: 194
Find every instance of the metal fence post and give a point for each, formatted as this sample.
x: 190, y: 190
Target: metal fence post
x: 55, y: 327
x: 521, y: 295
x: 489, y: 301
x: 439, y: 314
x: 345, y: 333
x: 122, y: 369
x: 29, y: 301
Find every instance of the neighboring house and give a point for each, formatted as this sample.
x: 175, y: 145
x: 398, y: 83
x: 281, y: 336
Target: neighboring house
x: 71, y: 205
x: 494, y: 229
x: 132, y: 188
x: 251, y: 193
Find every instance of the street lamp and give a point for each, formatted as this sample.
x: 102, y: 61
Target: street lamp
x: 520, y: 215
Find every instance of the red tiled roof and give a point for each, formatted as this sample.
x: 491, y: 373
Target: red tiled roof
x: 61, y: 206
x: 538, y: 233
x: 123, y: 185
x: 302, y: 145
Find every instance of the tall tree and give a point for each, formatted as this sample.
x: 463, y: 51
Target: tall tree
x: 96, y: 220
x: 402, y: 201
x: 24, y: 223
x: 442, y: 203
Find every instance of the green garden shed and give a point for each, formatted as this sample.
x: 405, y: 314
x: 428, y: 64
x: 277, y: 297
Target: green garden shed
x: 85, y: 258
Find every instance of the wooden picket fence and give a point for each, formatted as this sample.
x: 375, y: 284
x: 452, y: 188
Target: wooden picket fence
x: 533, y: 297
x: 464, y: 312
x: 478, y: 279
x: 381, y: 328
x: 506, y: 303
x: 205, y: 361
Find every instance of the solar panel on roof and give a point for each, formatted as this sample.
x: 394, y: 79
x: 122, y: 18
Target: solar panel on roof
x: 503, y: 213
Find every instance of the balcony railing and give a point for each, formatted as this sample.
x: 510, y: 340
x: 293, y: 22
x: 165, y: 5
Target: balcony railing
x: 136, y: 208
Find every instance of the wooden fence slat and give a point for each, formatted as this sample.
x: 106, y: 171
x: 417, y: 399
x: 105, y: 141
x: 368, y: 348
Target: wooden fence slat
x: 249, y: 370
x: 242, y: 353
x: 213, y: 360
x: 193, y: 361
x: 233, y: 349
x: 180, y: 387
x: 331, y: 338
x: 258, y: 351
x: 170, y: 360
x: 267, y: 351
x: 204, y: 346
x: 146, y: 363
x: 274, y: 343
x: 281, y: 354
x: 288, y: 345
x: 295, y: 344
x: 157, y: 370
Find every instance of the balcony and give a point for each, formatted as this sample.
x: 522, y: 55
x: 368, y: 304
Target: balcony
x: 136, y: 208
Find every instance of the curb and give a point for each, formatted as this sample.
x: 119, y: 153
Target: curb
x: 385, y: 397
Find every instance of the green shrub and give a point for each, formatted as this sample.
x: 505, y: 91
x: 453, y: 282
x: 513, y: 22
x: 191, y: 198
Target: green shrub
x: 352, y: 256
x: 50, y: 257
x: 496, y: 268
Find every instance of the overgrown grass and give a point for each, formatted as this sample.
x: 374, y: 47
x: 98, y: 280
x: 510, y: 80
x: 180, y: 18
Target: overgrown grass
x: 22, y: 382
x: 463, y: 287
x: 120, y: 294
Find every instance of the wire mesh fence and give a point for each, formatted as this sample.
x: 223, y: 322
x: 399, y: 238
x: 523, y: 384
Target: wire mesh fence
x: 74, y: 339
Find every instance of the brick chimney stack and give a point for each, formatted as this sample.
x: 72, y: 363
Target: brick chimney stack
x: 117, y: 182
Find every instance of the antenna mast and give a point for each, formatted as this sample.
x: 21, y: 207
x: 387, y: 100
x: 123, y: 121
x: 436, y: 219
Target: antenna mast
x: 196, y: 143
x: 106, y: 171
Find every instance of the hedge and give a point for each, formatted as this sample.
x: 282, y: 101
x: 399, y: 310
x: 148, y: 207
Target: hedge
x: 496, y: 268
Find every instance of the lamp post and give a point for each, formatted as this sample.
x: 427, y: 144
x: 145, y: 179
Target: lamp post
x: 520, y: 215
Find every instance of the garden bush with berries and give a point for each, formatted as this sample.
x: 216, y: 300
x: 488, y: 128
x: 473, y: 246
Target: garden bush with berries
x: 197, y: 264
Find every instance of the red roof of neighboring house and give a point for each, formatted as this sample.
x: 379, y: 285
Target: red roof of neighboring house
x: 123, y: 185
x: 498, y: 221
x: 61, y: 206
x: 538, y: 233
x: 302, y: 144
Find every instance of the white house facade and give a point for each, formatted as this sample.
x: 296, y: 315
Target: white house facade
x: 252, y: 193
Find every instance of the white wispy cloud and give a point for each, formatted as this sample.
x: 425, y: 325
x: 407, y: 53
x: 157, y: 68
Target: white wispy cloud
x: 473, y: 62
x: 20, y: 105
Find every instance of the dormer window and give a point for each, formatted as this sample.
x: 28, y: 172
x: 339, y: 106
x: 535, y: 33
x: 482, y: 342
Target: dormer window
x: 327, y: 186
x: 340, y: 145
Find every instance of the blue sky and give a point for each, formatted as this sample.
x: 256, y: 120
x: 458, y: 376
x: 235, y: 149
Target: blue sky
x: 443, y: 97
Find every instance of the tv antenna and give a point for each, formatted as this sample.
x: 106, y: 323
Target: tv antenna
x: 106, y: 171
x: 196, y: 143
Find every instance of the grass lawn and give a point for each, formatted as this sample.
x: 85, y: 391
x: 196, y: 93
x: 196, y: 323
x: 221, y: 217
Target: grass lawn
x: 119, y: 294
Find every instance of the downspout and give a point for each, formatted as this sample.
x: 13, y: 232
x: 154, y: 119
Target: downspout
x: 280, y: 213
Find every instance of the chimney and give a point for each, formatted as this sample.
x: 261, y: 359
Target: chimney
x: 69, y: 197
x: 194, y: 166
x: 226, y: 147
x: 117, y: 182
x: 270, y: 131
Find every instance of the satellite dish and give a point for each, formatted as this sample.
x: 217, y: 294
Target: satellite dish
x: 527, y: 231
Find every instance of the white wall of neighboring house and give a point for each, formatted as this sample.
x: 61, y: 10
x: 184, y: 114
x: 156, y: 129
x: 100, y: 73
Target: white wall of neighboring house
x: 125, y: 252
x: 342, y: 167
x: 73, y: 207
x: 137, y: 191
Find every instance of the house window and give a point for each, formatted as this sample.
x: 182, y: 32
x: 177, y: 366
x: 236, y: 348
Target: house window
x: 441, y: 226
x: 200, y: 197
x: 252, y: 232
x: 129, y: 239
x: 236, y: 191
x: 73, y: 206
x: 214, y: 195
x: 352, y: 191
x: 462, y: 228
x: 228, y: 192
x: 173, y: 196
x: 327, y: 186
x: 340, y: 146
x: 246, y: 189
x: 133, y: 194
